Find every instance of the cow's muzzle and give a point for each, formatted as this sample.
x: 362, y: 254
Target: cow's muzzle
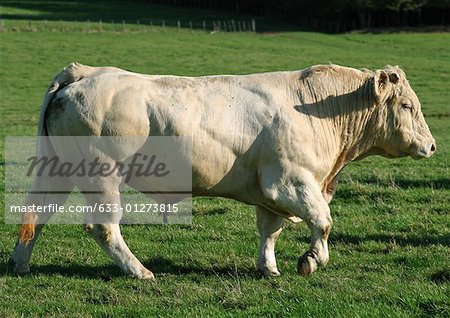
x: 427, y: 150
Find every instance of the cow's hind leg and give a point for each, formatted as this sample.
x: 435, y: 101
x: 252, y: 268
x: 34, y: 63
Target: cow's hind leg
x: 41, y: 194
x: 106, y: 231
x: 270, y: 226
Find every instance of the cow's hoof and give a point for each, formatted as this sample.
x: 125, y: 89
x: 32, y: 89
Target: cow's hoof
x: 21, y: 269
x: 307, y: 264
x: 269, y: 272
x: 146, y: 274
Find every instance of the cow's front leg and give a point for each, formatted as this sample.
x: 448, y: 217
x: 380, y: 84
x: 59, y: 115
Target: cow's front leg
x: 319, y: 221
x: 299, y: 194
x: 270, y: 226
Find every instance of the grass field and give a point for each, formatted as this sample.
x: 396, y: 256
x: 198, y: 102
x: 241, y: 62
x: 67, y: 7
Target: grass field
x: 390, y: 245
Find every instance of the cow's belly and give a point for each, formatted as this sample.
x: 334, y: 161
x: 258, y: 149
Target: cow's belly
x: 238, y: 183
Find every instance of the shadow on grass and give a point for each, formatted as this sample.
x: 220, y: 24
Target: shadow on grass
x: 441, y: 183
x: 131, y: 12
x: 162, y: 265
x: 211, y: 212
x: 105, y: 272
x: 89, y: 10
x: 417, y: 241
x: 441, y: 276
x: 158, y: 265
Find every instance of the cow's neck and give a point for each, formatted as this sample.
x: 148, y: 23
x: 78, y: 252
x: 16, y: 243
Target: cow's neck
x: 350, y: 134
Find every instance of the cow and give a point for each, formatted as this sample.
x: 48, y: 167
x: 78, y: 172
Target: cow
x: 273, y: 140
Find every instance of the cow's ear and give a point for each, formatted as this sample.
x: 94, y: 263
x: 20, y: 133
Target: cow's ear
x: 381, y: 80
x: 394, y: 77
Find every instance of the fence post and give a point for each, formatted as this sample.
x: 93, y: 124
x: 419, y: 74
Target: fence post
x: 163, y: 24
x: 190, y: 25
x: 100, y: 27
x: 253, y: 25
x: 204, y: 25
x: 178, y: 25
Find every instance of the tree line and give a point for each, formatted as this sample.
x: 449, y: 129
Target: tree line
x: 335, y: 15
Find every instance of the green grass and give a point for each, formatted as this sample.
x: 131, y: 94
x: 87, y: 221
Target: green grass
x: 390, y: 244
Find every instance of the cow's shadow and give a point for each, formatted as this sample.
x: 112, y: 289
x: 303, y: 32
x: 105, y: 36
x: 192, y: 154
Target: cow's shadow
x: 158, y: 265
x: 162, y: 265
x: 416, y: 241
x: 436, y: 183
x: 105, y: 272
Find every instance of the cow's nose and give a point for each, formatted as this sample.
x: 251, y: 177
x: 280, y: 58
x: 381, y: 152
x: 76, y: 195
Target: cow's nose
x: 433, y: 148
x: 428, y: 149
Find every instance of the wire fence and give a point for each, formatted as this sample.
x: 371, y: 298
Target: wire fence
x: 148, y: 25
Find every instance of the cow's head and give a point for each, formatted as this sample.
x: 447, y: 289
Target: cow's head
x: 403, y: 128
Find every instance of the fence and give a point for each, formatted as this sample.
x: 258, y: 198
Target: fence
x: 149, y: 25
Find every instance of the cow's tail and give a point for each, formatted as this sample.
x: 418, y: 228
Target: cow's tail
x: 28, y: 227
x: 70, y: 74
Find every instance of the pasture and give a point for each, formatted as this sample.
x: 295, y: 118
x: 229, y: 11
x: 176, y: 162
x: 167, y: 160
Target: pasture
x: 390, y: 244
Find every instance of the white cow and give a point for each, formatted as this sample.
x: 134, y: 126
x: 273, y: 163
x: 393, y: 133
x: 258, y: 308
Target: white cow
x: 273, y: 140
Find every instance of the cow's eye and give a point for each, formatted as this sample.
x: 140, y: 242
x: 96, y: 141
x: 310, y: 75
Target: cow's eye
x: 407, y: 107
